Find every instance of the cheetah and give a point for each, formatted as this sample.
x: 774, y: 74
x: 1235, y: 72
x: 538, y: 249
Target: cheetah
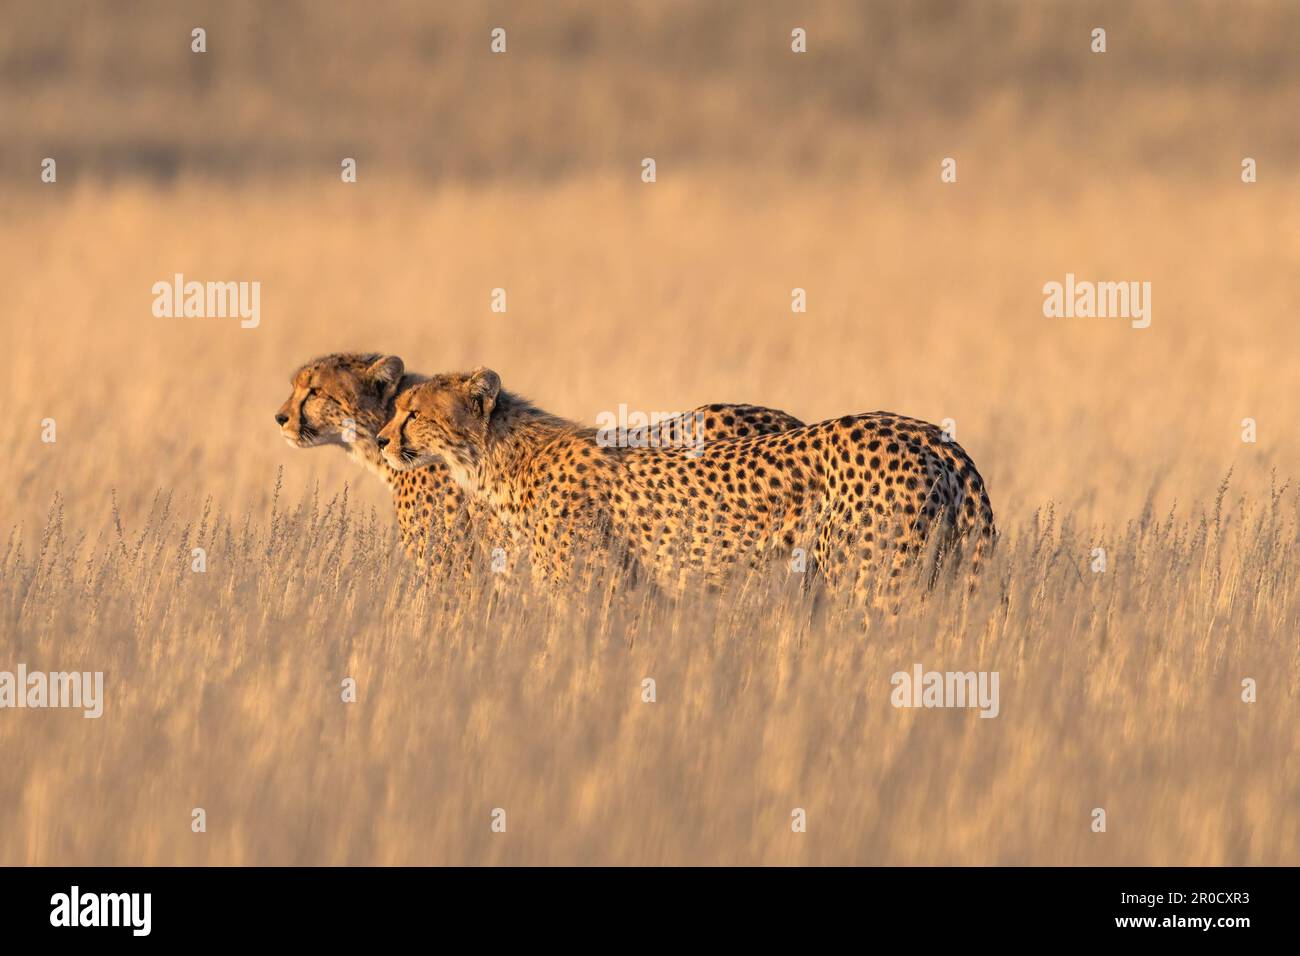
x: 345, y: 398
x: 854, y: 492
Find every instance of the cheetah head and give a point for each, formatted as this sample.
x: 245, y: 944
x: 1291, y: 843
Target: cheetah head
x: 443, y: 418
x: 338, y: 398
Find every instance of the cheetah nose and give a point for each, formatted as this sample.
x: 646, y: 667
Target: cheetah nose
x: 381, y: 441
x: 281, y: 418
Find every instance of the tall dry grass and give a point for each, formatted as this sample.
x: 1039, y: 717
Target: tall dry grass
x: 1120, y: 689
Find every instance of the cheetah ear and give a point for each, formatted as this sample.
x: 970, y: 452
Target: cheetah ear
x: 386, y: 372
x: 483, y: 387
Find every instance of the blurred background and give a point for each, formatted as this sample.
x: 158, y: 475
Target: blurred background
x: 411, y: 87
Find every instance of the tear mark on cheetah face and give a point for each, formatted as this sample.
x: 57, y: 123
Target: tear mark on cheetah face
x: 448, y: 422
x: 337, y: 396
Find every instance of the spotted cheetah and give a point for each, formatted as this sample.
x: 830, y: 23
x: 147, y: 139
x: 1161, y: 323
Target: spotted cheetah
x: 855, y: 492
x: 344, y: 399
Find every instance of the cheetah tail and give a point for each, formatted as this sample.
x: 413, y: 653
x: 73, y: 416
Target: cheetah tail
x: 977, y: 530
